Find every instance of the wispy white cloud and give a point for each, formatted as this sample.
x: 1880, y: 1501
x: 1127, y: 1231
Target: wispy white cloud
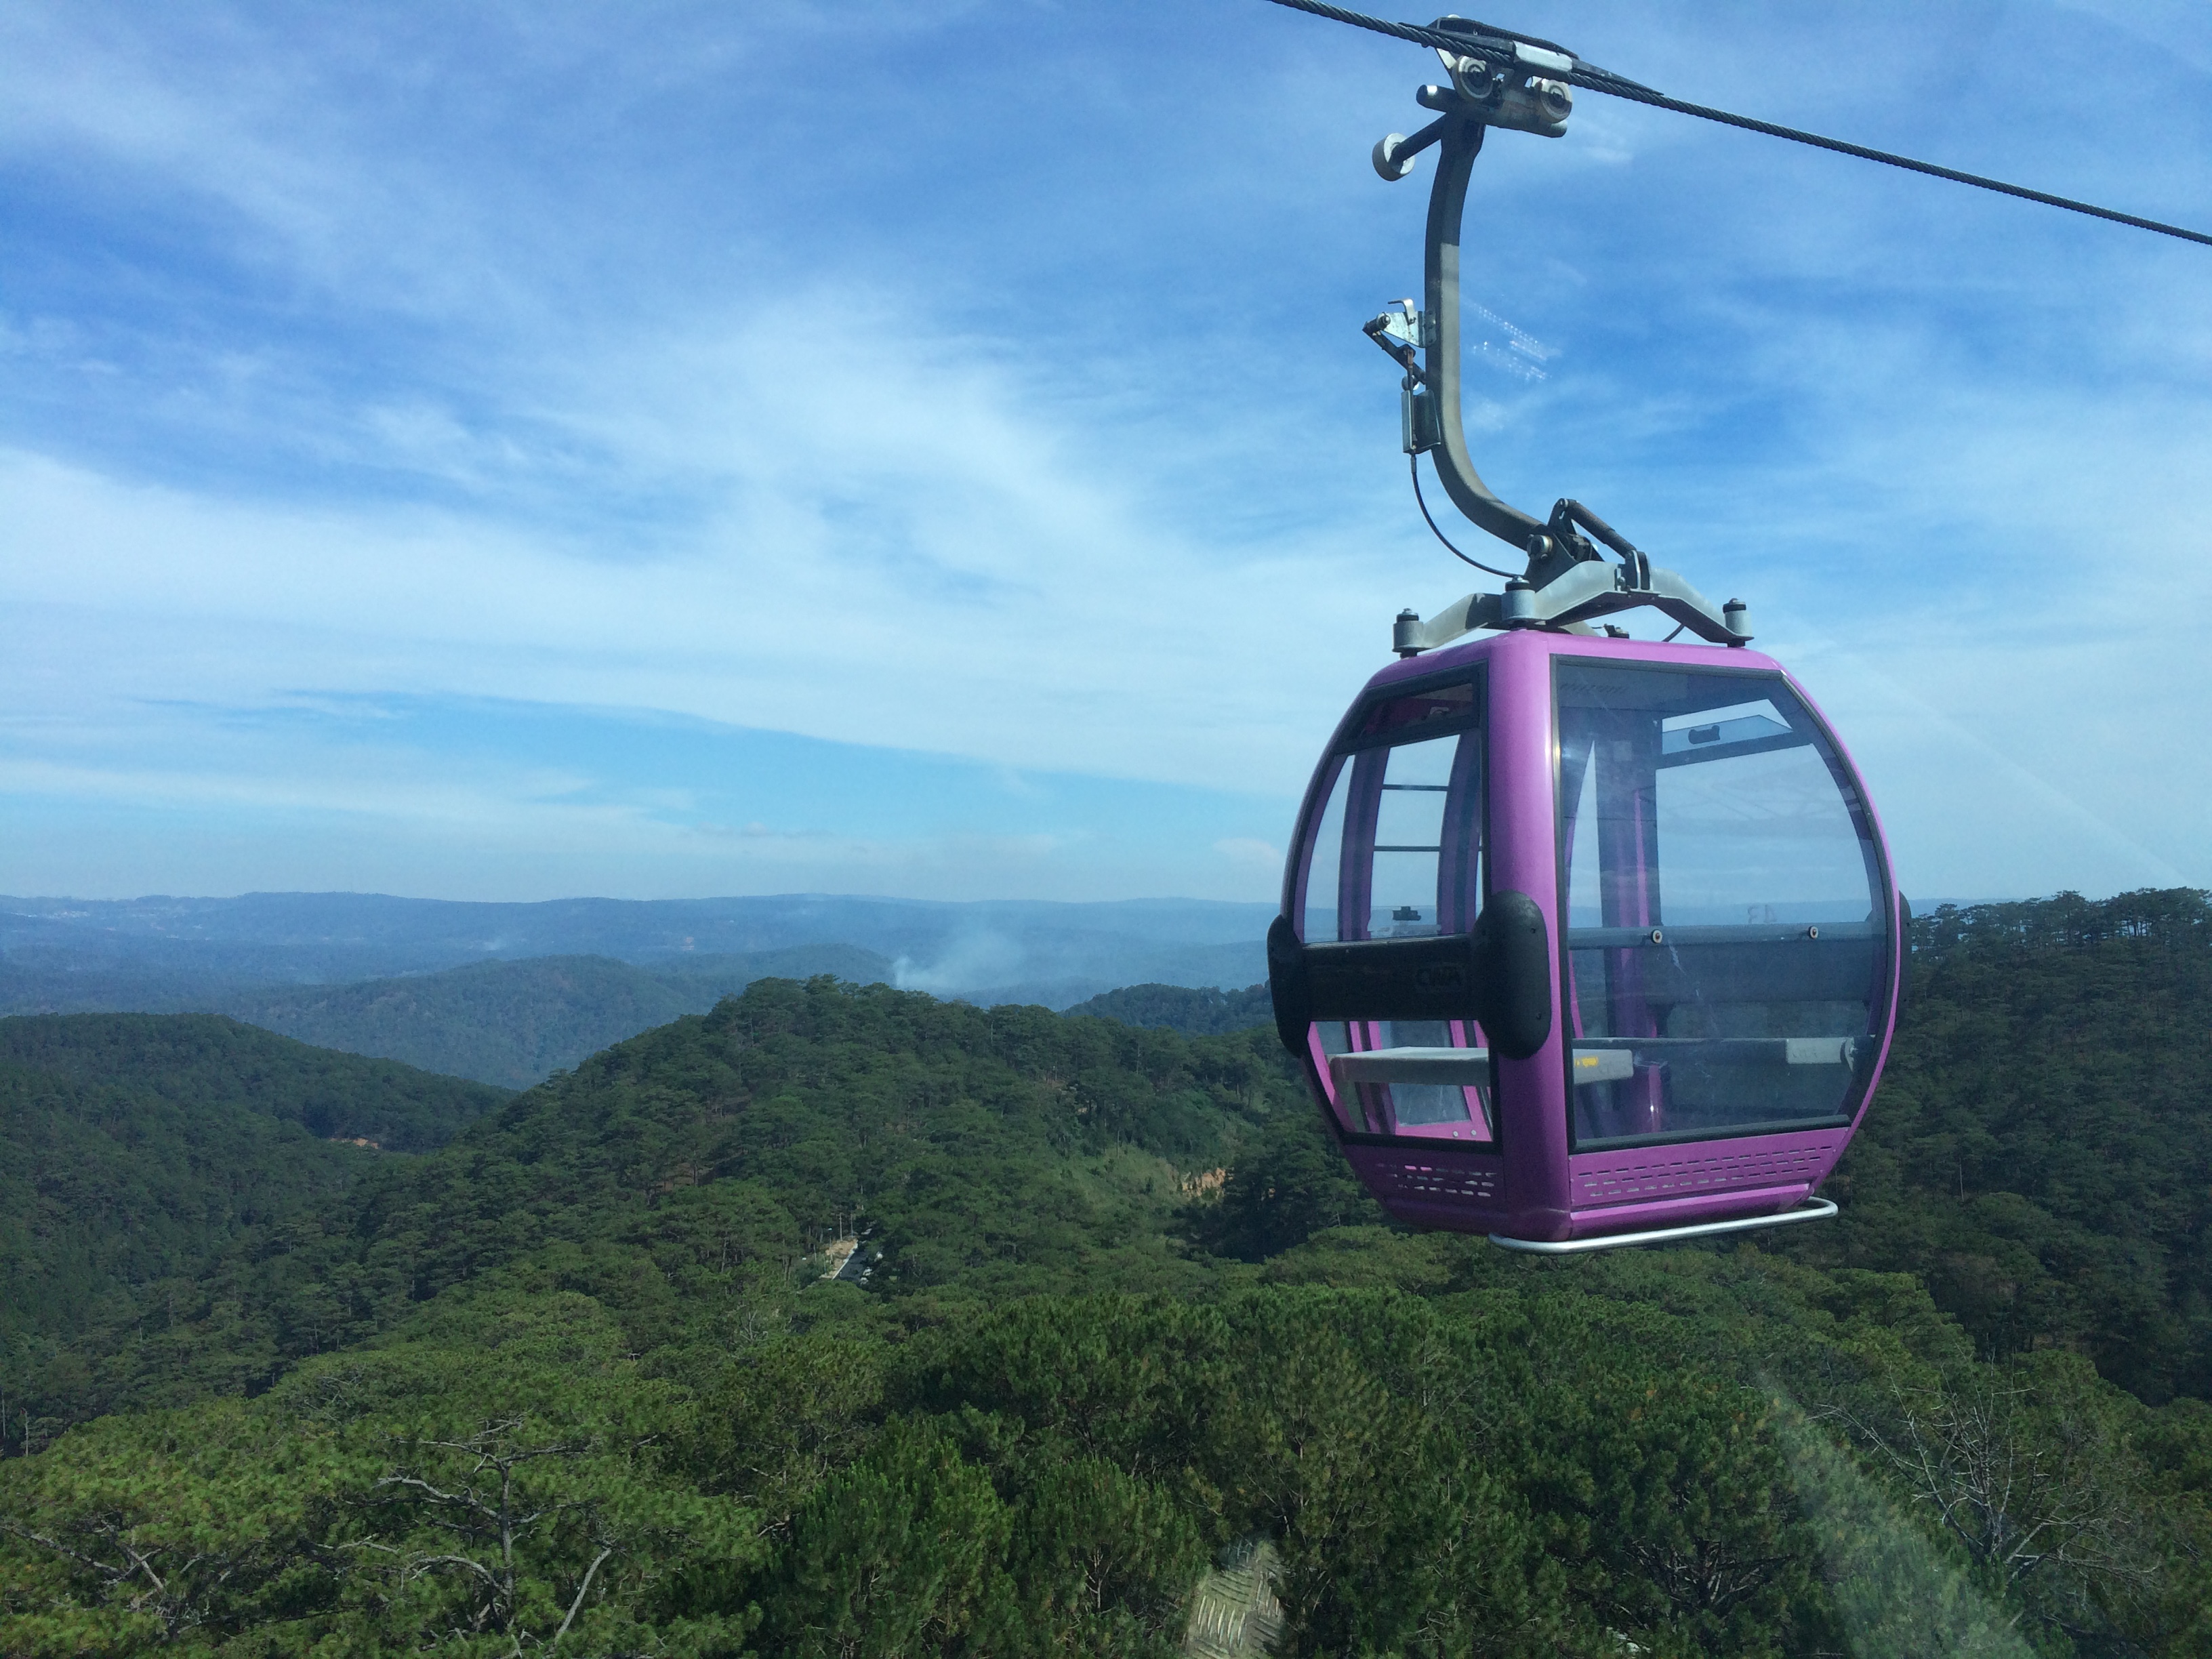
x: 611, y: 363
x: 1250, y: 850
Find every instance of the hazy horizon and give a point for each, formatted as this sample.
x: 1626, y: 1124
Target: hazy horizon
x: 1919, y: 903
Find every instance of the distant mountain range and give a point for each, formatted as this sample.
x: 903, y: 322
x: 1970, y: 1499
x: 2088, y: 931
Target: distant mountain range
x: 510, y: 993
x: 987, y: 951
x: 515, y: 1023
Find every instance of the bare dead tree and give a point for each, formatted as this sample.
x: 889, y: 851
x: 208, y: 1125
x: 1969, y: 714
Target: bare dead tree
x: 1708, y: 1577
x: 2033, y: 1488
x: 488, y: 1514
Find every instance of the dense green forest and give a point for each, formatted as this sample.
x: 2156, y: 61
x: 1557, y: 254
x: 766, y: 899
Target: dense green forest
x: 2039, y: 1153
x: 141, y: 1156
x: 198, y: 1065
x: 579, y: 1377
x: 1200, y: 1011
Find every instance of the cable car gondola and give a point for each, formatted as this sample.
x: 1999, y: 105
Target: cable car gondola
x: 1584, y: 940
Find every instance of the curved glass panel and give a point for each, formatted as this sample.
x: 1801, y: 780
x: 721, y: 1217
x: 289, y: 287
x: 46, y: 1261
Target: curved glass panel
x: 1395, y: 852
x: 1728, y: 926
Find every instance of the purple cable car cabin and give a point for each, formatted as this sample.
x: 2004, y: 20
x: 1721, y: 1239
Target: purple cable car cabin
x: 1584, y: 941
x: 1587, y: 940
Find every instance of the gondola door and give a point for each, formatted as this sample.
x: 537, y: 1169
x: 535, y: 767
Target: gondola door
x: 1403, y: 834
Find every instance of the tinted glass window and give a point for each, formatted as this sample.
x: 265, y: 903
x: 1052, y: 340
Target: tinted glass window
x: 1396, y: 852
x: 1726, y: 928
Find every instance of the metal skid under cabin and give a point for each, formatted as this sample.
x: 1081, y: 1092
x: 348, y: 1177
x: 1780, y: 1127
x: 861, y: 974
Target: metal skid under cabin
x: 1584, y: 940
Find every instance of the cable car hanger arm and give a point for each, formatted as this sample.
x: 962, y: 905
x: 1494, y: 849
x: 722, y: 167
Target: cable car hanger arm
x: 1478, y: 38
x: 1461, y: 142
x: 1567, y: 581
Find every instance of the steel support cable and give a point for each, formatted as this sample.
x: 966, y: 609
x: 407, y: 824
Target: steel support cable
x: 1593, y: 79
x: 1659, y: 100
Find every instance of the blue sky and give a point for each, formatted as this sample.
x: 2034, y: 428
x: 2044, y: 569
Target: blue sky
x: 503, y: 451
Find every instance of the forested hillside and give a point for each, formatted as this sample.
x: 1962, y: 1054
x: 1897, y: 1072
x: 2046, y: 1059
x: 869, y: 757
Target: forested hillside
x: 515, y: 1024
x: 147, y: 1162
x: 1200, y: 1011
x: 199, y: 1064
x: 2041, y: 1150
x: 990, y: 1152
x: 1124, y: 1317
x: 507, y: 1022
